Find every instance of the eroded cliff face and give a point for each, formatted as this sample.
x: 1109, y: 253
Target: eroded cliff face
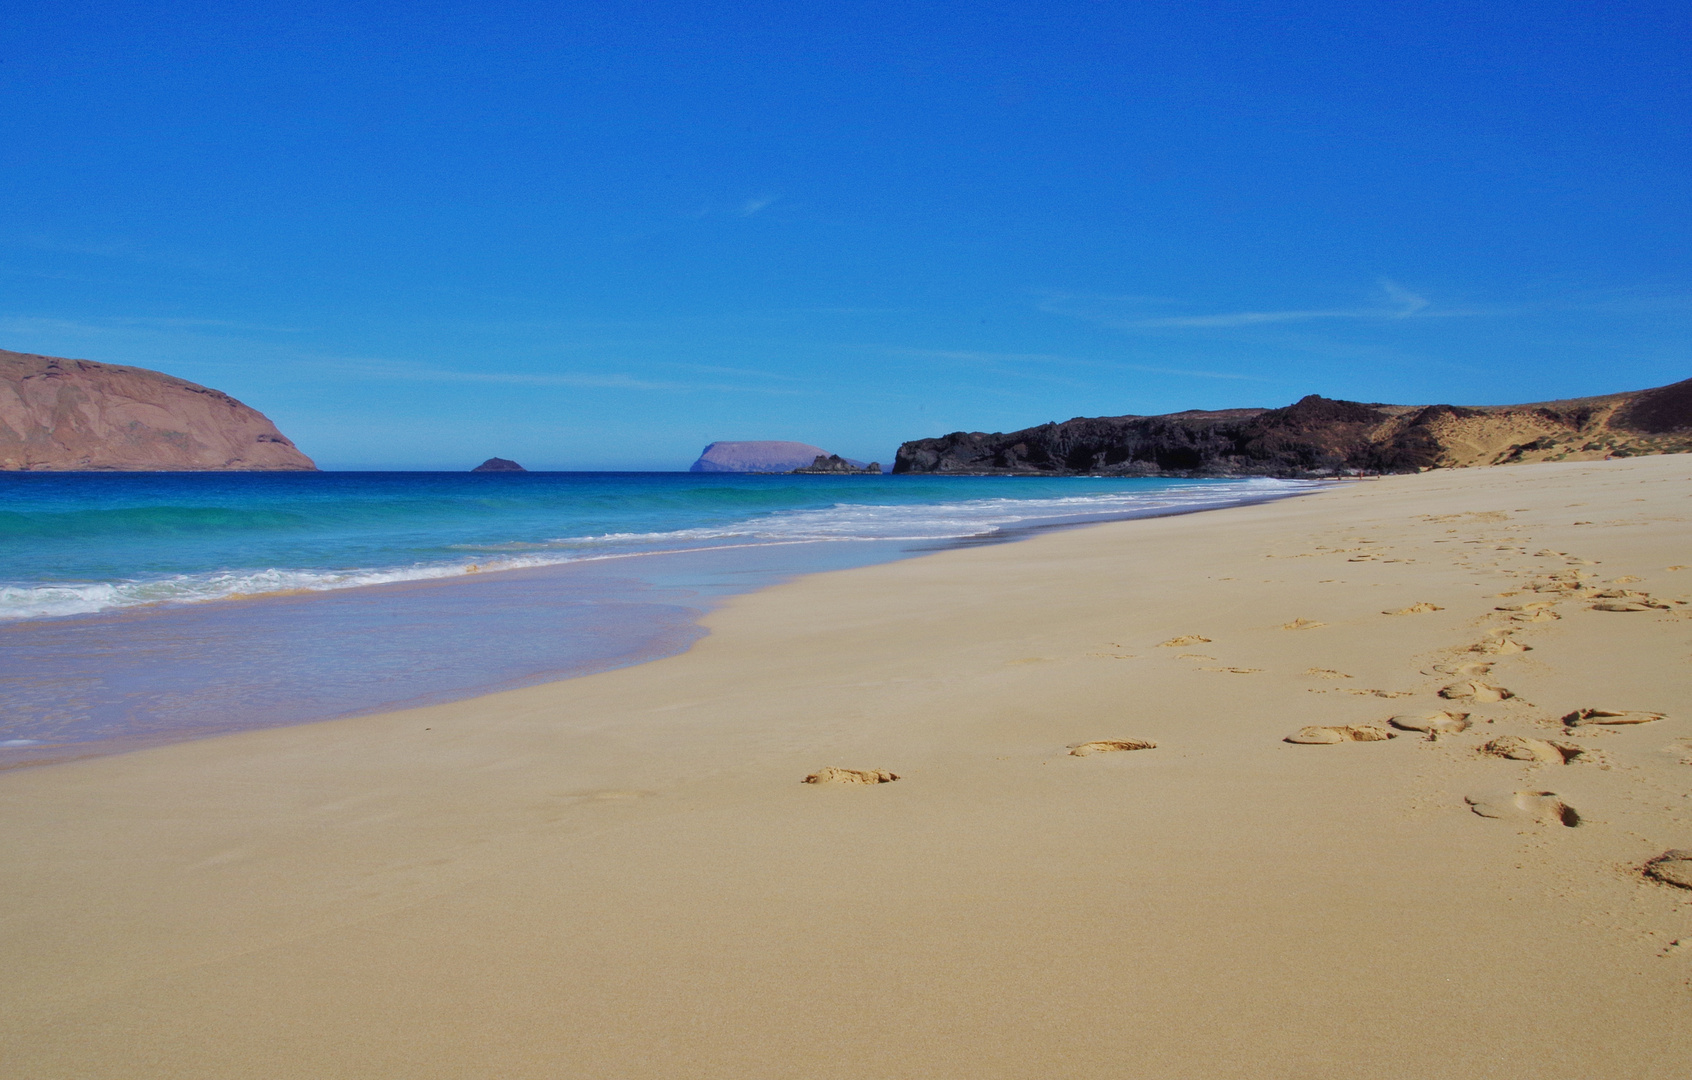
x: 65, y: 415
x: 1321, y: 437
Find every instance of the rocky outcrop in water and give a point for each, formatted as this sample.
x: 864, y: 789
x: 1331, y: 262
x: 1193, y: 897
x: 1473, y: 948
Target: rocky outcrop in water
x: 499, y: 464
x: 66, y: 415
x: 1321, y: 437
x: 826, y: 464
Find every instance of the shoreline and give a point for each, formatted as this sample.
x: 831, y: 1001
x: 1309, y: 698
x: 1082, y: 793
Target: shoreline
x: 672, y: 590
x: 622, y: 875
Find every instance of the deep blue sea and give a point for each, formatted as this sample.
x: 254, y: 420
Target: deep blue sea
x: 145, y: 607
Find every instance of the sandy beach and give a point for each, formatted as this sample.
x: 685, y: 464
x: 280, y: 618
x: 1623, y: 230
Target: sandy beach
x: 623, y: 875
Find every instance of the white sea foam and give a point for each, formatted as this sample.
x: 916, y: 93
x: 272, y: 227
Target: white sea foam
x: 841, y: 522
x: 943, y: 521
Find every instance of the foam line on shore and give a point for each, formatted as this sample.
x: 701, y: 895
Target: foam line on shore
x: 842, y: 523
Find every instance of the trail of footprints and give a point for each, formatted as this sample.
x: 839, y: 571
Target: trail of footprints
x: 1473, y: 686
x: 1470, y: 687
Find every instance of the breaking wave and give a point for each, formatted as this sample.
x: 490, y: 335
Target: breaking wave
x: 449, y: 556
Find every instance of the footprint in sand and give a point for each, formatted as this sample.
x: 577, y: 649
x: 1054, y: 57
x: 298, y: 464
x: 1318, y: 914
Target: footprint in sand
x: 1316, y: 735
x: 1628, y: 605
x: 1438, y: 723
x: 1500, y: 646
x: 1553, y: 586
x: 1672, y: 867
x: 1622, y: 594
x: 1184, y: 639
x: 832, y: 775
x: 1325, y: 673
x: 1415, y: 609
x: 1609, y: 717
x: 1234, y: 670
x: 1474, y: 690
x: 1302, y: 624
x: 1543, y: 807
x: 1563, y: 581
x: 1536, y: 617
x: 1468, y: 670
x: 1109, y: 746
x: 1531, y: 605
x: 1521, y: 748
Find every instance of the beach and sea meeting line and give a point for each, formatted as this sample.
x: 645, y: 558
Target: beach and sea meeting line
x: 143, y: 607
x: 1340, y: 785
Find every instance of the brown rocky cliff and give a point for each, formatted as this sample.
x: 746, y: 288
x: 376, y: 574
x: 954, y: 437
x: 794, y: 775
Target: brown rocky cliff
x: 63, y: 415
x: 1317, y: 436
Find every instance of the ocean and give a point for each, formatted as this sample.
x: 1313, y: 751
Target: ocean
x: 138, y: 608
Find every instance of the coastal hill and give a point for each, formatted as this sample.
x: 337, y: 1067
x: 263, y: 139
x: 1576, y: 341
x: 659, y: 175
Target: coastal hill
x: 65, y: 415
x: 1321, y: 437
x: 762, y: 456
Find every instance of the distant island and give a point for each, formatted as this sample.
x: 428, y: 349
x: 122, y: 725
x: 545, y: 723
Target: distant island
x: 1317, y: 437
x: 58, y: 414
x: 834, y: 464
x: 765, y: 456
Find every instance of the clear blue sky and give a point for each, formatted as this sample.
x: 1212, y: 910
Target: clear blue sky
x: 597, y: 235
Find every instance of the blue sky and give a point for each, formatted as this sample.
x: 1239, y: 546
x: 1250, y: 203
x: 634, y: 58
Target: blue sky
x: 597, y: 235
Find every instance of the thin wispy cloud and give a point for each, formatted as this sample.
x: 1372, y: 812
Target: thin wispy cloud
x: 121, y: 324
x: 1129, y: 313
x: 718, y: 369
x: 750, y: 206
x: 756, y: 204
x: 1000, y: 360
x: 410, y: 372
x: 125, y: 251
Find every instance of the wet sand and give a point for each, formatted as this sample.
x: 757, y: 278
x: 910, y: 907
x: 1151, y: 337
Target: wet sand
x: 623, y: 875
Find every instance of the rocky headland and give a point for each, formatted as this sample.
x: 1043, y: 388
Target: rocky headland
x: 1318, y: 436
x: 69, y: 415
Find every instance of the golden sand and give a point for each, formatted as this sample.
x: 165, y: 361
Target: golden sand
x: 625, y: 876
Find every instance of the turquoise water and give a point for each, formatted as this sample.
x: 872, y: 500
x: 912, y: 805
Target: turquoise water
x: 138, y: 608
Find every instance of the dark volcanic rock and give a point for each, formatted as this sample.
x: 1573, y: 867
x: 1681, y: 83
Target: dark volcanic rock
x: 1665, y: 409
x: 834, y: 463
x: 1318, y: 436
x: 499, y: 464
